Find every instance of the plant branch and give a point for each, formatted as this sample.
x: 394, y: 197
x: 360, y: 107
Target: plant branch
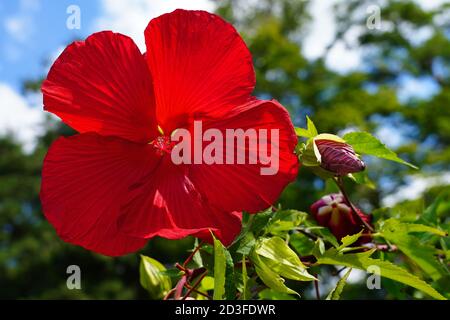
x: 340, y: 184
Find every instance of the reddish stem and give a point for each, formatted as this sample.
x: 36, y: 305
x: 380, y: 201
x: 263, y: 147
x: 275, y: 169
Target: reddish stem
x: 194, y: 287
x: 341, y: 187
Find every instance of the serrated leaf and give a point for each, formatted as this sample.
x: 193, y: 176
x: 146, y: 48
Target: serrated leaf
x: 363, y: 261
x: 220, y: 266
x: 311, y: 127
x: 276, y: 254
x: 246, y: 244
x: 285, y: 220
x: 365, y: 143
x: 302, y: 132
x: 269, y: 294
x: 335, y: 294
x: 423, y: 255
x: 309, y: 132
x: 259, y: 221
x: 153, y: 279
x: 322, y: 232
x: 301, y: 244
x: 349, y: 240
x: 269, y: 277
x: 224, y: 281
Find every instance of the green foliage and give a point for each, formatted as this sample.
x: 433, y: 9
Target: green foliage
x: 335, y: 294
x: 424, y: 255
x: 309, y: 132
x: 220, y: 266
x: 276, y: 254
x: 153, y: 279
x: 389, y: 270
x: 365, y: 143
x: 269, y: 277
x: 349, y: 240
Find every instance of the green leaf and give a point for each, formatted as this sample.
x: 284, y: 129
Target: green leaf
x: 285, y: 220
x: 363, y: 261
x: 322, y: 232
x: 335, y: 294
x: 152, y: 278
x: 220, y: 266
x: 224, y: 281
x: 301, y: 244
x: 349, y: 240
x: 269, y: 277
x: 245, y: 289
x: 276, y: 254
x: 246, y: 244
x: 363, y: 179
x: 309, y: 132
x: 302, y: 132
x: 197, y: 258
x: 430, y: 215
x: 311, y: 127
x: 259, y: 221
x: 423, y: 255
x: 230, y: 281
x: 365, y: 143
x: 269, y: 294
x: 207, y: 284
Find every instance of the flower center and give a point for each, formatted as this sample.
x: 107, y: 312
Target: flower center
x: 163, y: 145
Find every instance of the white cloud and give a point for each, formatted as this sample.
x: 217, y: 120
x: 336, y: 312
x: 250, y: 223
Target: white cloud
x: 415, y: 187
x: 19, y: 117
x: 322, y: 29
x: 343, y: 56
x: 20, y: 25
x: 132, y: 17
x: 430, y: 4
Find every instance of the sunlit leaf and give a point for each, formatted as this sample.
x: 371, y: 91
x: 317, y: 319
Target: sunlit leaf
x: 276, y: 254
x: 220, y: 266
x: 153, y: 279
x: 363, y: 261
x: 335, y: 294
x: 422, y: 254
x: 269, y: 294
x: 269, y: 277
x: 365, y: 143
x: 349, y: 240
x: 309, y: 132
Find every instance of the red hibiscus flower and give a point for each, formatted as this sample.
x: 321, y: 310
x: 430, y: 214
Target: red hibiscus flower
x: 113, y: 186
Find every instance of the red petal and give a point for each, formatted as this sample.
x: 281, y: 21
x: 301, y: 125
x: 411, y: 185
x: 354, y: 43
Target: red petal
x: 84, y: 183
x: 241, y: 187
x: 103, y: 85
x: 168, y: 205
x: 200, y: 65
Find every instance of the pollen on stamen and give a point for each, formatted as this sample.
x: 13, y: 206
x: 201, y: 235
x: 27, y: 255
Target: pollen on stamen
x: 163, y: 145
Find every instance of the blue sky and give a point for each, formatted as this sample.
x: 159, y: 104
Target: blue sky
x: 32, y: 32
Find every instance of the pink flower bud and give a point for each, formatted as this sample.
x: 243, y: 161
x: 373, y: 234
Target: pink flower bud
x: 338, y: 157
x: 333, y: 212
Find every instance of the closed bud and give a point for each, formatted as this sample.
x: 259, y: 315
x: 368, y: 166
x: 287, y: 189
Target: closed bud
x: 337, y: 157
x: 333, y: 212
